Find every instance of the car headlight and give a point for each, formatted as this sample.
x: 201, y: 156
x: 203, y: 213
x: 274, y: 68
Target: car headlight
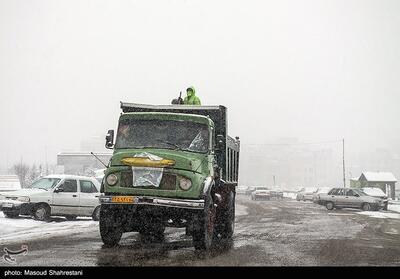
x: 23, y: 199
x: 112, y: 179
x: 185, y: 183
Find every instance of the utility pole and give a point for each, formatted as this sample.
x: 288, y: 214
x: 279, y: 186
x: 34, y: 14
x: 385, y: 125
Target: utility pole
x: 274, y: 180
x: 344, y: 169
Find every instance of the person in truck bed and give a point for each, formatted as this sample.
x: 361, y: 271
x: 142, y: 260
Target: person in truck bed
x: 191, y: 98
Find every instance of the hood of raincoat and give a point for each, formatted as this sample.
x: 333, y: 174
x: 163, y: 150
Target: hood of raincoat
x: 191, y: 93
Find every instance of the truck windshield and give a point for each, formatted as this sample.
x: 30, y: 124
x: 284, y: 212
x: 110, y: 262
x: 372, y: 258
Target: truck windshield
x: 45, y: 183
x: 177, y: 135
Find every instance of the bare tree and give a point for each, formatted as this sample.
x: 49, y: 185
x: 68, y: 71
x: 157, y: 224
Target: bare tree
x: 21, y: 170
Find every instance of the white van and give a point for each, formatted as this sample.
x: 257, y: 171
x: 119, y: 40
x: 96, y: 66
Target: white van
x: 61, y: 195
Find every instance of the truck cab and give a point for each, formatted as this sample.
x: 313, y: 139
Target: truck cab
x: 172, y: 166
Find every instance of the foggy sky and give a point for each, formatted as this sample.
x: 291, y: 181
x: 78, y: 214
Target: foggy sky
x: 314, y: 70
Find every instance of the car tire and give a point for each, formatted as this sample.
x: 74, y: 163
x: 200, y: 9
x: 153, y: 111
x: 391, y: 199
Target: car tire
x: 41, y: 212
x: 329, y: 205
x: 11, y: 214
x: 96, y: 214
x: 366, y: 207
x: 110, y: 227
x: 204, y: 225
x: 71, y: 217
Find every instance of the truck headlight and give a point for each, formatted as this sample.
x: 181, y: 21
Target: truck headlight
x: 185, y: 183
x: 112, y: 179
x: 23, y: 199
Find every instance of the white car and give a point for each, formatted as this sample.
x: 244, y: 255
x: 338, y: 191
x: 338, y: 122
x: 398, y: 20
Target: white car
x: 61, y: 195
x: 261, y: 192
x: 321, y: 190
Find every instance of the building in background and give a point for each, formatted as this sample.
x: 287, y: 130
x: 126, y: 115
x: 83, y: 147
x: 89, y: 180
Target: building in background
x: 386, y: 181
x: 9, y: 183
x: 81, y: 163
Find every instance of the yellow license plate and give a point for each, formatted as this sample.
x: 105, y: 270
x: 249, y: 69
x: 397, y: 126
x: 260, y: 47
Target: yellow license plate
x: 123, y: 199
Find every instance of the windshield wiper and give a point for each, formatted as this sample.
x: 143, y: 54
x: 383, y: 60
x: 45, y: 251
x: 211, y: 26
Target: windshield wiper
x: 170, y: 143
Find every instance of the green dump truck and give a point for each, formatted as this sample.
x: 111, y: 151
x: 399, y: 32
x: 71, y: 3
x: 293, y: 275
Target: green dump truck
x: 172, y: 165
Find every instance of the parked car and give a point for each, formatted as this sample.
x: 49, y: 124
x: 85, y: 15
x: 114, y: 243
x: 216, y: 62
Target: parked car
x: 61, y: 195
x: 261, y: 192
x: 250, y: 189
x: 320, y: 190
x: 241, y: 190
x: 350, y: 198
x: 377, y: 193
x: 278, y: 194
x: 306, y: 194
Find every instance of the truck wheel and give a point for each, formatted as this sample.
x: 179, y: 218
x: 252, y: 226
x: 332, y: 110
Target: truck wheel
x: 96, y: 214
x: 203, y: 225
x: 41, y: 212
x: 226, y: 221
x: 329, y: 205
x: 366, y: 207
x: 110, y: 229
x: 11, y: 214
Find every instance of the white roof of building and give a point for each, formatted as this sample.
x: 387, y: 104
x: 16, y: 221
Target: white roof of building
x: 379, y: 176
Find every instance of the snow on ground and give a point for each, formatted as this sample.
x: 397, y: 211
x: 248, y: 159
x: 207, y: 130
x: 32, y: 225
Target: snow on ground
x: 27, y: 229
x: 394, y: 207
x: 380, y: 214
x: 240, y: 210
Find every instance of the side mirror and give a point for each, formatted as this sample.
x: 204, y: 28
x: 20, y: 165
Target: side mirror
x: 58, y: 190
x: 220, y: 142
x: 357, y: 195
x: 110, y: 139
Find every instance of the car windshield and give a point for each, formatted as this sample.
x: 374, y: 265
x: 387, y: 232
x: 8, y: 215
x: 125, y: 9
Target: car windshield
x: 45, y: 183
x: 177, y: 135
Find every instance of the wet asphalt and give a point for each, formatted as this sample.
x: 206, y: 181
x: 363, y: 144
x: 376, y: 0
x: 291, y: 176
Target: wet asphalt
x: 267, y: 233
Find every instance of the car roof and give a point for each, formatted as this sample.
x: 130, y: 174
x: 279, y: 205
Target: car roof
x: 68, y: 176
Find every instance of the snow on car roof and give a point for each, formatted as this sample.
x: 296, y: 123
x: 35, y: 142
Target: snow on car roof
x: 62, y: 176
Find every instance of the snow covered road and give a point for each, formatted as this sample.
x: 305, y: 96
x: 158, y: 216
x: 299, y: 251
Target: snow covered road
x: 25, y: 229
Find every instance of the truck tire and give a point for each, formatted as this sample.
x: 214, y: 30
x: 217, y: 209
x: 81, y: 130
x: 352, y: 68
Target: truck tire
x: 110, y: 228
x: 203, y: 225
x: 225, y: 226
x: 96, y: 214
x: 41, y: 212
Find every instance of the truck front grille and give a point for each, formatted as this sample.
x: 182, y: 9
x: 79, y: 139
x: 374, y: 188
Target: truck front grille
x: 168, y: 181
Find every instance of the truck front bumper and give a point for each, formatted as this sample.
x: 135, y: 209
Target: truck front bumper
x: 155, y: 201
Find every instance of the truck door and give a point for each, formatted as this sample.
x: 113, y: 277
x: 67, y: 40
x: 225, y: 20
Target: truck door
x: 89, y: 197
x: 66, y: 198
